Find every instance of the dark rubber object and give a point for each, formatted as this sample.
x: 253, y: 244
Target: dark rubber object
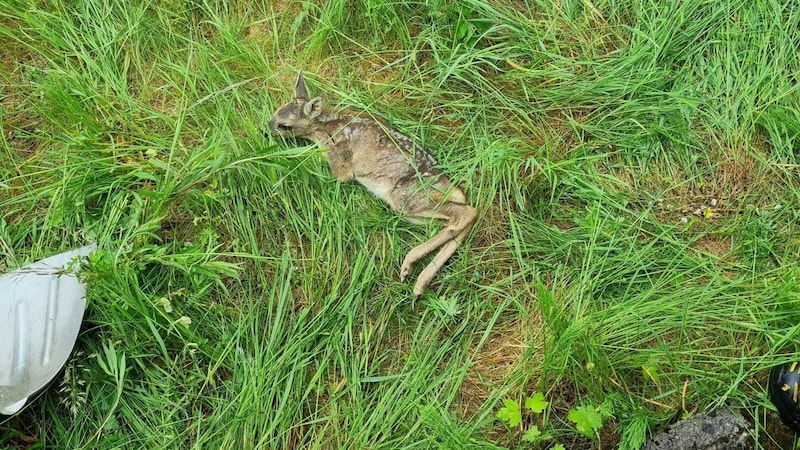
x: 784, y: 391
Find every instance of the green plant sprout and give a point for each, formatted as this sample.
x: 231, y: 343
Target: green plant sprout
x: 588, y: 420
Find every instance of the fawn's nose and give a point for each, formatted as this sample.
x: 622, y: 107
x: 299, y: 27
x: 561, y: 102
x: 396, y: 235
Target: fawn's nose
x: 271, y: 129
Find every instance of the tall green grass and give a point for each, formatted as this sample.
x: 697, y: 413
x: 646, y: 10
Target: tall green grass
x: 635, y: 165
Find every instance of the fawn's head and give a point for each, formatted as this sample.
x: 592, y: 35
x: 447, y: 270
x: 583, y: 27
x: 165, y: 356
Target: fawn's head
x: 298, y: 117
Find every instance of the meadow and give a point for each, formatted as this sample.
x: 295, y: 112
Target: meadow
x: 635, y: 165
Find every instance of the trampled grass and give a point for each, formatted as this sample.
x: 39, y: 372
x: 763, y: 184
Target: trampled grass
x: 635, y: 165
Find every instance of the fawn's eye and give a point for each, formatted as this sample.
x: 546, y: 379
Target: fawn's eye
x: 284, y: 127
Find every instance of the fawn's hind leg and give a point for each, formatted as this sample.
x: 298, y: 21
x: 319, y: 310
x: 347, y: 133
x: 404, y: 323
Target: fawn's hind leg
x: 460, y: 218
x: 445, y: 252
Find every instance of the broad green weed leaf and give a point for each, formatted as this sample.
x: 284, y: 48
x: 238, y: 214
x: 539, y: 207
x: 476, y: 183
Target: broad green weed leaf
x: 532, y: 434
x: 587, y: 420
x: 536, y: 403
x: 510, y: 413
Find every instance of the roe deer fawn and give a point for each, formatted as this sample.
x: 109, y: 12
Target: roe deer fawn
x: 390, y: 165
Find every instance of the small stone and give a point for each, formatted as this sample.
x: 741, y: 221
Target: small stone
x: 718, y: 430
x: 713, y: 202
x: 684, y: 220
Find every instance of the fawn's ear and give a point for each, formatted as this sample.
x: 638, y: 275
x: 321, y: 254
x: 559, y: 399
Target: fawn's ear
x: 300, y: 90
x: 313, y: 107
